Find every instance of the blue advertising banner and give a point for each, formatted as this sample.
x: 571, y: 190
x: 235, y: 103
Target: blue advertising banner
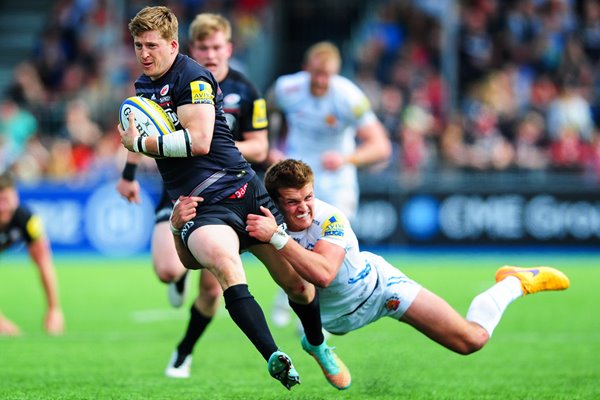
x: 93, y: 218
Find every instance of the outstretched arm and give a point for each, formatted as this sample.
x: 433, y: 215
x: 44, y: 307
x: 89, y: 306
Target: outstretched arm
x: 319, y: 266
x: 40, y: 253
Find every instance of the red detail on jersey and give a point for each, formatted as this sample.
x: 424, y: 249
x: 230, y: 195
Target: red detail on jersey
x: 240, y: 193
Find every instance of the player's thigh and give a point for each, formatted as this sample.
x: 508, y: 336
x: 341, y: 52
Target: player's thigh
x: 434, y: 317
x: 216, y: 247
x: 164, y: 254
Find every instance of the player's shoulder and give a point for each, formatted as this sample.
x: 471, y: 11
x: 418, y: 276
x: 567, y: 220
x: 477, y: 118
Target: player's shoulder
x: 324, y: 212
x: 238, y: 82
x: 344, y: 86
x: 291, y: 82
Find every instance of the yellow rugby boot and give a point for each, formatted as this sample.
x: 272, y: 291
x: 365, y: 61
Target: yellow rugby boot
x: 535, y: 279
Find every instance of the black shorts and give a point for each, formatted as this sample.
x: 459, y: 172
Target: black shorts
x: 162, y: 212
x: 233, y: 211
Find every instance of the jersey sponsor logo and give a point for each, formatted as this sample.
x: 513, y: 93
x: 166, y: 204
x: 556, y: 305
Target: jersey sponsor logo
x: 361, y: 108
x: 35, y: 228
x: 202, y: 93
x: 164, y: 90
x: 333, y: 227
x: 259, y: 114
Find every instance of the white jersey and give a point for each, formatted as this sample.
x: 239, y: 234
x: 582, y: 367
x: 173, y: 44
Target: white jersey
x: 366, y: 287
x: 320, y: 124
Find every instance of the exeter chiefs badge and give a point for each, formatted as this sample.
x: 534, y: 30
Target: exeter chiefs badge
x: 392, y: 303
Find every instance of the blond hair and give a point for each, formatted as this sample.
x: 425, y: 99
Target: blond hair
x: 325, y: 51
x: 206, y: 24
x: 158, y: 18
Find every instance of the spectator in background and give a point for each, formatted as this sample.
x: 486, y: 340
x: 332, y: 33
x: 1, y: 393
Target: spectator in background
x: 17, y: 126
x: 17, y: 224
x: 530, y: 143
x: 569, y: 110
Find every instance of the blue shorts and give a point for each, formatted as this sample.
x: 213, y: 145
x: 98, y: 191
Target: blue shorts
x: 233, y: 211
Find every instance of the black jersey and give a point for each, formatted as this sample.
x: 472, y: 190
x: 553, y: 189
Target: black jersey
x: 244, y: 107
x: 24, y: 226
x: 223, y: 170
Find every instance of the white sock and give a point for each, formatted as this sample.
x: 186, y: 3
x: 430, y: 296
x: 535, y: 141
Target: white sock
x: 487, y: 308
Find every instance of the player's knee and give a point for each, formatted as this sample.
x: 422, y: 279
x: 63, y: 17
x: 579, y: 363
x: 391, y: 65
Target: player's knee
x: 472, y: 342
x: 299, y: 293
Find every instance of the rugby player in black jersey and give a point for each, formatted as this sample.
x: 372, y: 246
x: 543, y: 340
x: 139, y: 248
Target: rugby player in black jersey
x: 200, y: 160
x: 19, y: 224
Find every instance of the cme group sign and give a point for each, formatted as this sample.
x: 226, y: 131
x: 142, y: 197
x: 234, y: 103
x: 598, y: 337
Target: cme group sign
x: 422, y: 218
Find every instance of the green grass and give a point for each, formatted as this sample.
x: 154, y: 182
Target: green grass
x: 121, y: 332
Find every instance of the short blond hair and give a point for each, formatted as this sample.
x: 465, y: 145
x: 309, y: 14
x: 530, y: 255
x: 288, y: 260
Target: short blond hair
x: 326, y: 51
x: 206, y: 24
x: 158, y: 18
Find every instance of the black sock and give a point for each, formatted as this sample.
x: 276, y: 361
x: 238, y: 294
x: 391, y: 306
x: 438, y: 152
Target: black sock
x: 310, y: 317
x: 180, y: 283
x: 249, y: 317
x: 196, y: 326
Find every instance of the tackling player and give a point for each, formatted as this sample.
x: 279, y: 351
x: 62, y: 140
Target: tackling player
x: 357, y: 287
x: 18, y: 223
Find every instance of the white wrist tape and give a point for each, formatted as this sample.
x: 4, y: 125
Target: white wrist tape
x: 139, y: 144
x: 280, y: 237
x: 176, y: 144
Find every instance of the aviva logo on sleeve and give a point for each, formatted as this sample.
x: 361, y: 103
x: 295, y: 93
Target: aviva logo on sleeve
x: 202, y: 93
x: 334, y: 226
x: 35, y: 228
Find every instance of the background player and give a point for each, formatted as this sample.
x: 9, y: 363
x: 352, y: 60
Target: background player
x: 18, y: 223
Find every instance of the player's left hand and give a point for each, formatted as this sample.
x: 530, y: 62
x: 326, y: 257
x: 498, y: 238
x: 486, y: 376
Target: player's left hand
x: 54, y: 322
x: 332, y: 160
x: 261, y: 227
x: 129, y: 135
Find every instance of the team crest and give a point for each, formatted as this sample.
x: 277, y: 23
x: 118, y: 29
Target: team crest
x: 330, y: 120
x: 164, y: 90
x: 392, y: 303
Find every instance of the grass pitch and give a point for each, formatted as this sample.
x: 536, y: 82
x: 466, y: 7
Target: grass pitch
x: 121, y: 332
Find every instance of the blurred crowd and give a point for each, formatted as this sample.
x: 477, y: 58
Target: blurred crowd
x: 526, y: 81
x: 526, y: 84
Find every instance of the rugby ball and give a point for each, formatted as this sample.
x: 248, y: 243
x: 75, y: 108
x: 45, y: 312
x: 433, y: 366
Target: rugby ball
x: 150, y: 118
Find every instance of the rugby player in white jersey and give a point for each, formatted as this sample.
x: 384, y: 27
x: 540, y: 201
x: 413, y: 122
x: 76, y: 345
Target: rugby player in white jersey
x: 331, y: 127
x: 357, y: 287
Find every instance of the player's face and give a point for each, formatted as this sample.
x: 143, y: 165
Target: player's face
x: 155, y: 54
x: 321, y: 71
x: 8, y: 205
x: 214, y: 53
x: 297, y: 207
